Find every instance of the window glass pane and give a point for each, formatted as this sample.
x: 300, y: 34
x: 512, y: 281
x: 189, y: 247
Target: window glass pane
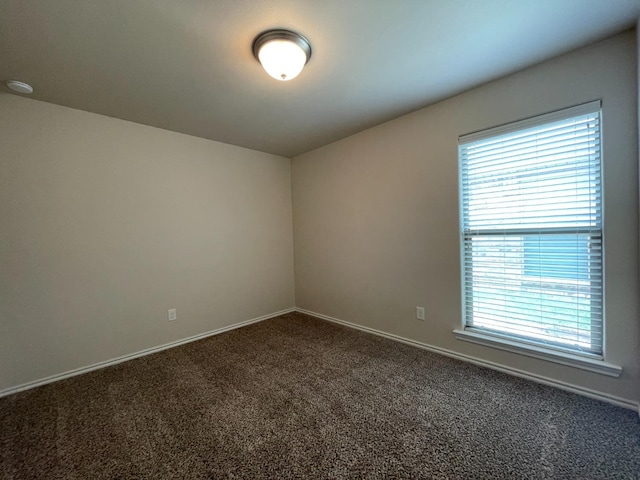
x: 559, y: 256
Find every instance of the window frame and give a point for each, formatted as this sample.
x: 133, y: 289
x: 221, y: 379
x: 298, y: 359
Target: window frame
x: 585, y: 360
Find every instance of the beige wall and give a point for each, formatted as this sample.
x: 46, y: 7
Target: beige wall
x: 106, y: 224
x: 376, y: 214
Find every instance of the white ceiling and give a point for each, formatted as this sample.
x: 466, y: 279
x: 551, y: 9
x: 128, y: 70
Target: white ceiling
x: 187, y: 66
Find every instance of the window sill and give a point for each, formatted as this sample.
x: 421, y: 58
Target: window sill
x: 584, y: 363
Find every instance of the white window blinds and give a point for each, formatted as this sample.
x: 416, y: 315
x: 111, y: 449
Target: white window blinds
x: 531, y: 230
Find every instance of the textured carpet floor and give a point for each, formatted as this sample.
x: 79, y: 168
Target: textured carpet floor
x: 296, y: 397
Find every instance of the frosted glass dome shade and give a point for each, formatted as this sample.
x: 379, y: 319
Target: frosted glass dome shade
x: 283, y: 54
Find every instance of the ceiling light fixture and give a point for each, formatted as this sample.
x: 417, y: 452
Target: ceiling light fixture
x: 19, y: 87
x: 282, y: 53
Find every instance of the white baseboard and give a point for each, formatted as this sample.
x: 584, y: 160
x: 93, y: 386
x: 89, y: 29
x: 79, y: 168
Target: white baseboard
x: 620, y: 402
x: 141, y: 353
x: 467, y: 358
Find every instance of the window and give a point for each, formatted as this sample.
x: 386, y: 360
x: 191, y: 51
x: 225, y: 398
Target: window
x: 531, y: 232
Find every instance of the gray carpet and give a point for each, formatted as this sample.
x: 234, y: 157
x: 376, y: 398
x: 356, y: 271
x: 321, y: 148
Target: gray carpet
x: 296, y: 397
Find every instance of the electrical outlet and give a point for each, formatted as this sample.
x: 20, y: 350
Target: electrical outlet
x: 172, y: 314
x: 420, y: 313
